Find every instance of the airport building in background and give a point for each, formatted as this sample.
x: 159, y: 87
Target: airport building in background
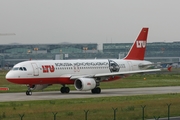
x: 10, y: 54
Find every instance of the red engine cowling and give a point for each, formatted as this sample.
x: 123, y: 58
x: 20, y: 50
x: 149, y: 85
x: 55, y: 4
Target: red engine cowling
x: 84, y: 84
x: 38, y: 87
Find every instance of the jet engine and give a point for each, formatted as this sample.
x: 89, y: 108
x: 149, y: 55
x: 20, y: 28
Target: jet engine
x: 84, y: 84
x: 38, y: 87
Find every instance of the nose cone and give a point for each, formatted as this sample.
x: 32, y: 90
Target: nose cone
x: 9, y: 76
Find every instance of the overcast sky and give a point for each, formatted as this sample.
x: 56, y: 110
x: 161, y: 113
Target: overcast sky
x: 88, y: 21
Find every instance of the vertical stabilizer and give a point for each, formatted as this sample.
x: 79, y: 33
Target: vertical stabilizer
x: 137, y: 50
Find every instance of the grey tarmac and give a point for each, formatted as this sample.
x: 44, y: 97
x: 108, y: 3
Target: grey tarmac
x: 50, y: 95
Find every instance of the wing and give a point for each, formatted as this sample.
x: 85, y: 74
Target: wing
x: 113, y: 74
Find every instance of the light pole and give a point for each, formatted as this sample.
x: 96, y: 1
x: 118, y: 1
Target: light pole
x: 36, y: 49
x: 28, y: 52
x: 85, y: 49
x: 61, y: 54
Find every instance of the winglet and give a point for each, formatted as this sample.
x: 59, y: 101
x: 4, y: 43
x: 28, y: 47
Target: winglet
x: 137, y: 50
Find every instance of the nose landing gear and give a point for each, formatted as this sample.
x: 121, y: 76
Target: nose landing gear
x: 28, y: 92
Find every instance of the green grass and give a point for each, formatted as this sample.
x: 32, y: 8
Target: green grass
x: 128, y: 108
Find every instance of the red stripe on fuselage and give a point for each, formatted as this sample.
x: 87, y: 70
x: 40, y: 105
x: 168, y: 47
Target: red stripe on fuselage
x: 61, y: 80
x: 41, y: 80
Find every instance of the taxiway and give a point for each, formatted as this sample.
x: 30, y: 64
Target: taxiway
x: 50, y: 95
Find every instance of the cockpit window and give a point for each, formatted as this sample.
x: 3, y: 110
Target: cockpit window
x: 19, y: 68
x: 15, y: 68
x: 24, y: 69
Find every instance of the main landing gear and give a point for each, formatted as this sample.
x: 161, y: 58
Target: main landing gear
x: 96, y: 90
x: 64, y: 89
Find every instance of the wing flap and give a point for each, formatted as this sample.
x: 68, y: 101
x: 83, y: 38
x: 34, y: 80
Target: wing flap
x: 127, y: 72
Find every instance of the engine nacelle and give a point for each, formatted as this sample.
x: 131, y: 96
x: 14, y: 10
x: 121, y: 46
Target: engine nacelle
x: 85, y: 84
x: 38, y: 87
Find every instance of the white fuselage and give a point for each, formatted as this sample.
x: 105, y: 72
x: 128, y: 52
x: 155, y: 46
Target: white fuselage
x: 50, y: 71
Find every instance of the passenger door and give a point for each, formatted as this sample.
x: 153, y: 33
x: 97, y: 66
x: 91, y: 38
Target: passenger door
x: 35, y: 69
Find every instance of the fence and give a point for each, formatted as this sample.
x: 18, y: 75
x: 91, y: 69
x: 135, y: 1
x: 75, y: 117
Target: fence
x: 84, y: 116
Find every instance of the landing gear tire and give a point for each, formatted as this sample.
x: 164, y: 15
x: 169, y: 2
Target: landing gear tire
x: 96, y: 90
x: 28, y: 92
x: 64, y: 89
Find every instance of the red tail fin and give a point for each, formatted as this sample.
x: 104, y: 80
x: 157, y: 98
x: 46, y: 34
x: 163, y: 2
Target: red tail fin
x: 169, y: 68
x: 137, y: 50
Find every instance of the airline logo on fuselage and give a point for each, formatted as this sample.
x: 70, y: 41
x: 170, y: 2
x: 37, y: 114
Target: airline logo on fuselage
x: 140, y: 44
x: 48, y: 68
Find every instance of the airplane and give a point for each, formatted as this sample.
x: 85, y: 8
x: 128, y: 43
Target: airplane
x: 85, y: 74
